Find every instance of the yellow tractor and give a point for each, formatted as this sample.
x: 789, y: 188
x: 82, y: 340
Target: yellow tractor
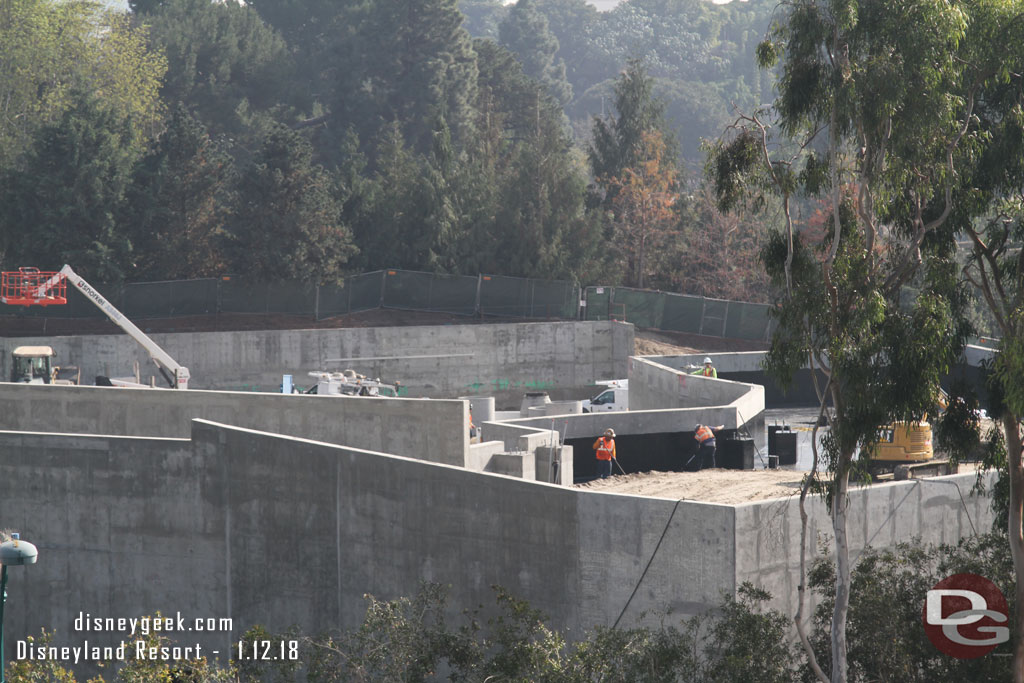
x: 906, y: 443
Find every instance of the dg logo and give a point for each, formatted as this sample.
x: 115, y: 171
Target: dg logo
x: 966, y: 616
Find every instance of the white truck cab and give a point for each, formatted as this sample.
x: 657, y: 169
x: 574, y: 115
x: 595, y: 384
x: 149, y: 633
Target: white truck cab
x: 615, y: 397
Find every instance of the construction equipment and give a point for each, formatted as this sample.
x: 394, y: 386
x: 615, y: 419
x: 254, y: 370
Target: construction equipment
x: 32, y: 365
x: 32, y: 287
x: 350, y: 383
x: 906, y: 443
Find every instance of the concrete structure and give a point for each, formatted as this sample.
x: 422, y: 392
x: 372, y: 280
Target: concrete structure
x: 436, y: 361
x: 654, y: 385
x: 276, y: 530
x: 415, y: 428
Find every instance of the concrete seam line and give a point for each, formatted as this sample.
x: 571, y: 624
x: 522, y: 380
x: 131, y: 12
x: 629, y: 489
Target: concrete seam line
x: 649, y: 561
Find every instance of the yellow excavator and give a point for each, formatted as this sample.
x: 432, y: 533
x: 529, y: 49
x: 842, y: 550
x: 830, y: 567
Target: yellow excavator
x: 906, y: 444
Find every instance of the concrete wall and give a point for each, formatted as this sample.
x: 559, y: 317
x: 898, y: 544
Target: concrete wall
x: 935, y: 510
x: 280, y: 531
x: 436, y: 361
x: 653, y: 386
x: 416, y: 428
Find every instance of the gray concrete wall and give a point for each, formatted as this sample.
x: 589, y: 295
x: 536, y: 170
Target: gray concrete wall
x: 655, y: 386
x: 934, y: 510
x: 436, y: 430
x: 437, y: 361
x: 279, y: 531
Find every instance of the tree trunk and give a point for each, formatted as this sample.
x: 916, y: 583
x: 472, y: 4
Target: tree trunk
x: 1011, y: 429
x: 840, y: 505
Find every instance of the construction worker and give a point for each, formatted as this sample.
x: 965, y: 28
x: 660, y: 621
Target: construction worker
x: 708, y: 370
x: 605, y: 447
x: 705, y: 438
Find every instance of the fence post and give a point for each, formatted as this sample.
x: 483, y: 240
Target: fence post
x: 703, y: 308
x: 383, y: 284
x: 316, y: 303
x: 476, y: 301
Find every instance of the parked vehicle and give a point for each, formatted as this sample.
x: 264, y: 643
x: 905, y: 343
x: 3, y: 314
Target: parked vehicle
x: 350, y: 383
x: 33, y: 365
x: 614, y: 398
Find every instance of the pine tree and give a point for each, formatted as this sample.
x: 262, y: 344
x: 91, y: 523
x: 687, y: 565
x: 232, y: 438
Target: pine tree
x: 287, y: 225
x: 61, y: 205
x: 178, y: 204
x: 525, y: 33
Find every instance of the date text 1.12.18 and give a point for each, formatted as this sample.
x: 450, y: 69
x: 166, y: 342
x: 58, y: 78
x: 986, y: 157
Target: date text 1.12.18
x: 268, y: 650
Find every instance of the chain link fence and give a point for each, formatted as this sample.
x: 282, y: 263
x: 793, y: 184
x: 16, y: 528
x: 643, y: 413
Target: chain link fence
x: 680, y: 313
x: 477, y: 296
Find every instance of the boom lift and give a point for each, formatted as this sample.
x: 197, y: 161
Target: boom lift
x: 30, y: 286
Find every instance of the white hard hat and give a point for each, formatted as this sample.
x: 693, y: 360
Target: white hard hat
x: 707, y: 359
x: 609, y: 432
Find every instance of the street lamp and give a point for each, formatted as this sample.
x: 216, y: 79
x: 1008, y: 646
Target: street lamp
x: 12, y: 552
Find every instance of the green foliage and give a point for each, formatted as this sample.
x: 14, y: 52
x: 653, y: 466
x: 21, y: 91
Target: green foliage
x: 61, y: 205
x: 37, y: 671
x: 178, y: 204
x: 746, y: 644
x: 617, y: 143
x: 221, y: 56
x: 888, y: 592
x: 525, y: 33
x: 409, y: 65
x: 411, y: 640
x: 287, y: 225
x: 51, y: 51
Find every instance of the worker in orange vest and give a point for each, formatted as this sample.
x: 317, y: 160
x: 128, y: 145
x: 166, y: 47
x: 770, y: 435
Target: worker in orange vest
x: 708, y: 370
x: 705, y: 437
x: 605, y: 448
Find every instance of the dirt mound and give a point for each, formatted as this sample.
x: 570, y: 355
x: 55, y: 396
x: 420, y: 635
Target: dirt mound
x: 665, y: 343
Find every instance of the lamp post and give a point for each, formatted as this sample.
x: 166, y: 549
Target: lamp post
x: 12, y: 552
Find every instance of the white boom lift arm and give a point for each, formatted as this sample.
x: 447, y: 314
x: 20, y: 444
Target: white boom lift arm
x: 177, y: 375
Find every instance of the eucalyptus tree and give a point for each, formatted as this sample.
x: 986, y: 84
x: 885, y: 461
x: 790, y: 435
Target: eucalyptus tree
x: 874, y: 108
x: 990, y: 212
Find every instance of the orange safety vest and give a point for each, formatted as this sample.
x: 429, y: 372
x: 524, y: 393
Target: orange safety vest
x: 709, y: 372
x: 605, y: 448
x: 704, y: 433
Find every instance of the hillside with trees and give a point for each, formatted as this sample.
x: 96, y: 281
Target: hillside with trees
x: 311, y: 140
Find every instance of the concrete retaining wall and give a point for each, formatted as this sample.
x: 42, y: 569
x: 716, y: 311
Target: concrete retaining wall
x: 935, y: 510
x: 437, y: 361
x: 416, y: 428
x: 654, y: 385
x: 281, y: 531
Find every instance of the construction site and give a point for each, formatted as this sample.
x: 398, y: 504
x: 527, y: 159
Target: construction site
x: 242, y: 493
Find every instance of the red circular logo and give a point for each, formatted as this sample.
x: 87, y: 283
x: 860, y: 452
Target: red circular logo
x: 966, y: 616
